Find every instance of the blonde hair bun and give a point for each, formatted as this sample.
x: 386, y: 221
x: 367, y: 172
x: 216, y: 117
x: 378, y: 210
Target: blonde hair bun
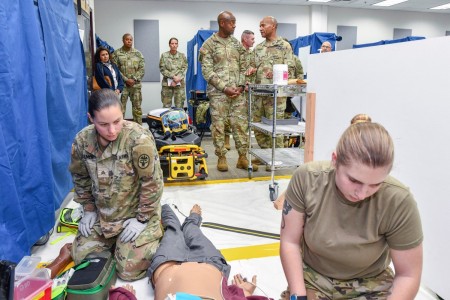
x: 361, y: 118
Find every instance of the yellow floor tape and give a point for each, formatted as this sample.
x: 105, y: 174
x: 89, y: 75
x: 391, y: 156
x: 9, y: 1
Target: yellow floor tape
x: 249, y: 252
x: 200, y: 182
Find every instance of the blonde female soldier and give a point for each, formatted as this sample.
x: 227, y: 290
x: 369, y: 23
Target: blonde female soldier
x: 344, y: 221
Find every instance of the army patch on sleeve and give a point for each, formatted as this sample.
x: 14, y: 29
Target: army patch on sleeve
x: 143, y: 161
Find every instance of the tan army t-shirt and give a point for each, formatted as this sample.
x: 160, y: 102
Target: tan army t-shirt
x: 343, y: 239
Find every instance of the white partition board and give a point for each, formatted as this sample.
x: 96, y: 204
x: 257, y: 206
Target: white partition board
x: 405, y: 87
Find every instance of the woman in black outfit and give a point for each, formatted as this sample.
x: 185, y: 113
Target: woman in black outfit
x: 104, y: 67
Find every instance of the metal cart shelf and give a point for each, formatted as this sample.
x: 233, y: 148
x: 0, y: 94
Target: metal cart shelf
x: 277, y: 158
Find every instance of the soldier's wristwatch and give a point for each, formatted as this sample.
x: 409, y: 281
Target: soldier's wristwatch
x: 295, y: 297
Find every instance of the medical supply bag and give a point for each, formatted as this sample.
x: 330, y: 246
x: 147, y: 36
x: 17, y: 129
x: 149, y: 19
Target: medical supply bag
x: 92, y: 278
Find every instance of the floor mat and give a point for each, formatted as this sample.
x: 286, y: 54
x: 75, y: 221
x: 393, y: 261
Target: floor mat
x: 242, y: 205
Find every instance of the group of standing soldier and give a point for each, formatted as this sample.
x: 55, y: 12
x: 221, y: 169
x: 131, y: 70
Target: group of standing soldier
x: 228, y: 67
x: 131, y: 63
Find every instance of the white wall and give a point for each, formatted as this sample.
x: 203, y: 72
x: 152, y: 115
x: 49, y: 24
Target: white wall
x: 375, y: 25
x: 182, y: 19
x: 406, y: 88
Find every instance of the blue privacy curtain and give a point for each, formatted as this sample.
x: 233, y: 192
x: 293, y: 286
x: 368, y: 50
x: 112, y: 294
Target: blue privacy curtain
x: 195, y: 80
x: 314, y: 40
x: 385, y: 42
x: 194, y: 77
x: 44, y: 102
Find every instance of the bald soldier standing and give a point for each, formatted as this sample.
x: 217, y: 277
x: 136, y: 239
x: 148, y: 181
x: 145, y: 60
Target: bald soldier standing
x: 221, y: 56
x: 273, y: 50
x: 247, y: 40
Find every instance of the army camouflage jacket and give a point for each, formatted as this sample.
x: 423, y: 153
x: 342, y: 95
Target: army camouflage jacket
x: 131, y: 64
x: 267, y: 54
x: 248, y: 55
x: 223, y: 64
x: 171, y: 65
x: 298, y: 68
x: 124, y: 181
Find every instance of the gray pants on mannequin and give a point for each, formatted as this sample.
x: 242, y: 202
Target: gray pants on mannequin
x: 186, y: 243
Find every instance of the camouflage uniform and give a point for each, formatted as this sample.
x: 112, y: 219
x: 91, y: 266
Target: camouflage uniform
x: 267, y: 54
x: 131, y: 65
x: 121, y: 182
x: 324, y: 288
x: 298, y: 74
x: 221, y: 67
x: 249, y: 55
x: 169, y: 66
x: 247, y: 58
x: 373, y: 288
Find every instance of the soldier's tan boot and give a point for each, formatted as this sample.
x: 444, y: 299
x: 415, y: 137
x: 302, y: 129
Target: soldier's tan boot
x: 256, y: 161
x: 243, y: 163
x: 227, y: 142
x: 222, y: 164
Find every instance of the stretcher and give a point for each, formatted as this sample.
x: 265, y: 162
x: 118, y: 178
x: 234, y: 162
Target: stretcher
x: 180, y: 153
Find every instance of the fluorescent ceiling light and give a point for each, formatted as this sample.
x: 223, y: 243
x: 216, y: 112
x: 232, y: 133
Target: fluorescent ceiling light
x: 389, y: 2
x: 319, y: 0
x: 445, y: 6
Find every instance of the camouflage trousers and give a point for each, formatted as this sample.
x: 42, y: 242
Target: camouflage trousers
x: 136, y: 100
x: 228, y: 127
x: 227, y: 122
x: 262, y: 106
x: 223, y: 108
x: 371, y: 288
x: 132, y: 258
x: 175, y: 92
x: 186, y: 243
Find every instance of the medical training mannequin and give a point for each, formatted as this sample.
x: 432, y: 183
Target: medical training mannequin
x: 185, y: 251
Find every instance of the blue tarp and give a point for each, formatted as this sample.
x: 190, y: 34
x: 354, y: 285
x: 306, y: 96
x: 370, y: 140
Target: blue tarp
x: 43, y: 95
x: 384, y: 42
x: 195, y: 80
x: 101, y: 43
x: 194, y: 77
x: 314, y: 40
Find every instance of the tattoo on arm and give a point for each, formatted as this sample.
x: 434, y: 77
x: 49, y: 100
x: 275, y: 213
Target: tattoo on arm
x: 286, y: 209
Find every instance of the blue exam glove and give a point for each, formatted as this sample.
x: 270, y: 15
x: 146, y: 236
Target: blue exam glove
x: 87, y: 222
x: 132, y: 229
